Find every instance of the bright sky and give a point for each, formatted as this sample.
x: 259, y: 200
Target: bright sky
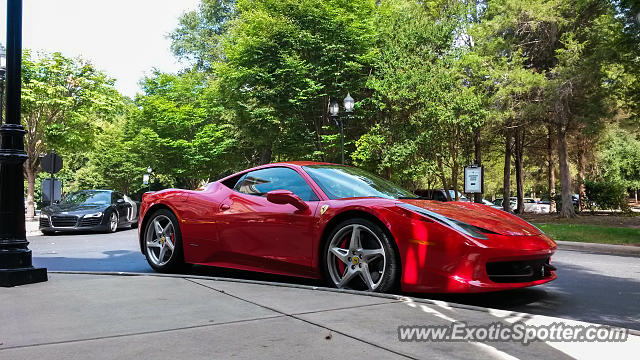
x: 124, y: 38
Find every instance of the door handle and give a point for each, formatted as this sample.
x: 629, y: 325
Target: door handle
x: 224, y: 207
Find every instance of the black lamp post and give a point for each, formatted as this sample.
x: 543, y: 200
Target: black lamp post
x: 15, y: 256
x: 334, y: 110
x: 3, y: 70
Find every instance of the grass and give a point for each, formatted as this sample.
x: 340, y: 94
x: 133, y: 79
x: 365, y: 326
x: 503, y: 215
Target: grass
x: 591, y: 233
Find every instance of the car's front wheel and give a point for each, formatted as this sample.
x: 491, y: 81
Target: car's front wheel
x: 163, y: 242
x: 359, y: 255
x: 113, y: 222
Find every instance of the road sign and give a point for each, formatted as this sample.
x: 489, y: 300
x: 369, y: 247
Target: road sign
x: 51, y: 163
x: 473, y: 179
x: 51, y: 186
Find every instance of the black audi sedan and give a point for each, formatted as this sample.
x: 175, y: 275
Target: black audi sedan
x: 90, y: 210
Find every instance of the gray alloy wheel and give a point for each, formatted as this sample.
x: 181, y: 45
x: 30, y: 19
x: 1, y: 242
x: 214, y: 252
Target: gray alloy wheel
x: 162, y: 242
x: 359, y: 256
x: 113, y: 222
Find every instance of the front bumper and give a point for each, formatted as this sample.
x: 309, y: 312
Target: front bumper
x: 438, y: 260
x: 72, y: 224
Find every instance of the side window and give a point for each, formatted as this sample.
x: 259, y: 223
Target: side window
x: 115, y: 196
x: 260, y: 182
x: 439, y: 196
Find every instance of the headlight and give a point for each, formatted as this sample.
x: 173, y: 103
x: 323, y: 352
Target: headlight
x: 44, y: 216
x: 467, y: 229
x: 94, y: 215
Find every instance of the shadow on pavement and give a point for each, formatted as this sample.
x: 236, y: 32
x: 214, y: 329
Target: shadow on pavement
x: 578, y: 293
x: 115, y: 261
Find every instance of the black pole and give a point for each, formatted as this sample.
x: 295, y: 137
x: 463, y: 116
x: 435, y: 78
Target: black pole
x: 15, y: 256
x: 342, y: 139
x: 52, y: 179
x: 2, y: 73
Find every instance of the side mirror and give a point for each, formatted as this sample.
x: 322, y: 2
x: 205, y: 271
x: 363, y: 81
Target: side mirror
x: 286, y: 197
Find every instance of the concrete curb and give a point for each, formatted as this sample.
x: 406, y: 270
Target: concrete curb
x: 624, y: 250
x: 399, y: 298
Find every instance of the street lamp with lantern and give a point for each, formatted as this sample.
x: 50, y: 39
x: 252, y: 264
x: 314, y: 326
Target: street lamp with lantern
x: 146, y: 178
x: 334, y: 111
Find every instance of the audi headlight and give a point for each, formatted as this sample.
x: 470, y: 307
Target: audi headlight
x: 94, y: 215
x: 462, y: 227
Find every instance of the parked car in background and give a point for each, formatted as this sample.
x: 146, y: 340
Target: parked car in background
x: 90, y: 210
x: 575, y: 198
x: 439, y: 194
x: 530, y: 205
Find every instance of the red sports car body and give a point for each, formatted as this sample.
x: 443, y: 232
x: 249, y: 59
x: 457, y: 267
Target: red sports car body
x: 335, y: 222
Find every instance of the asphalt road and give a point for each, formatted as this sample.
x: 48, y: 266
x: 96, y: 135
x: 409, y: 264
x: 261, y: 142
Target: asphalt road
x: 603, y: 289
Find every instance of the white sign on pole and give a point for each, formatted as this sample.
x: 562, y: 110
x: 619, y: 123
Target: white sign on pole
x: 145, y: 179
x: 473, y: 179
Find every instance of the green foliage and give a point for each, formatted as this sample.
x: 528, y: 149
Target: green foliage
x: 424, y: 107
x: 426, y: 75
x: 607, y: 194
x: 619, y: 158
x: 283, y: 59
x: 179, y: 119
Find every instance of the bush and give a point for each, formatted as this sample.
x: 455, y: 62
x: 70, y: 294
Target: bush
x: 607, y: 194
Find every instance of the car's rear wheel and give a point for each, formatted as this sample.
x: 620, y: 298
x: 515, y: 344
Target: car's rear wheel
x: 163, y: 242
x: 359, y: 255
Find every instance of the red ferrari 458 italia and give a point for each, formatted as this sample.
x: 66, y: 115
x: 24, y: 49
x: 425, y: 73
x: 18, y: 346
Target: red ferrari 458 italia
x: 340, y: 223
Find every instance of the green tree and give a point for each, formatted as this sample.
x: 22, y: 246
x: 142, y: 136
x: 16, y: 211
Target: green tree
x: 180, y: 130
x: 283, y: 60
x: 61, y: 100
x: 424, y: 109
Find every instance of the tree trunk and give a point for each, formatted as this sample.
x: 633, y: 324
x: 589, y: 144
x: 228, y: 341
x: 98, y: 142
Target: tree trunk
x: 506, y: 193
x: 582, y: 192
x: 454, y: 179
x: 519, y: 162
x: 443, y: 178
x: 265, y: 156
x: 551, y: 170
x: 31, y: 186
x: 478, y: 154
x: 454, y: 162
x: 565, y: 175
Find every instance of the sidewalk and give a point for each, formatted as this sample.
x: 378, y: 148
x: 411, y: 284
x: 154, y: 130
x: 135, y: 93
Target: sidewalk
x: 33, y: 227
x: 81, y: 316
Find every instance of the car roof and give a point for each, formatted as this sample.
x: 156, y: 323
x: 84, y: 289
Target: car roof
x: 303, y: 163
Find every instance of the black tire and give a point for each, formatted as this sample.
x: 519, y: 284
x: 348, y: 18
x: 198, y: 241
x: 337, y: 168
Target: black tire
x: 110, y: 228
x: 391, y: 273
x: 176, y: 261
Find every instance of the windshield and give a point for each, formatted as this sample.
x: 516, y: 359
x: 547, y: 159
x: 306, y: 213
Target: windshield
x: 453, y: 195
x: 88, y: 197
x: 339, y: 182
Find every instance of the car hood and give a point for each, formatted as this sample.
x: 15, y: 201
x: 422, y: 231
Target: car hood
x: 73, y: 209
x: 479, y: 215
